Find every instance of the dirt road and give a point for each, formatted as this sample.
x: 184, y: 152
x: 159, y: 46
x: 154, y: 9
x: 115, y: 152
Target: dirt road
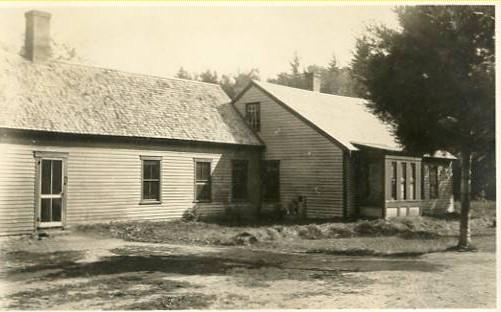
x: 89, y: 272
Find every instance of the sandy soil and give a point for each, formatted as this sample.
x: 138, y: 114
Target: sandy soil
x: 89, y: 272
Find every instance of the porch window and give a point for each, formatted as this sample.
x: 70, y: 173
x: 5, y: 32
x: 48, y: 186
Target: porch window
x: 393, y: 180
x: 271, y: 180
x: 412, y: 185
x: 433, y: 182
x: 253, y: 115
x: 239, y: 180
x: 403, y: 181
x: 150, y: 179
x: 202, y: 181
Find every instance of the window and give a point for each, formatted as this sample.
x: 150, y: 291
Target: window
x: 412, y: 185
x: 271, y: 180
x: 239, y: 180
x: 403, y: 181
x: 433, y: 182
x: 393, y: 180
x: 202, y: 181
x: 252, y: 115
x: 150, y: 179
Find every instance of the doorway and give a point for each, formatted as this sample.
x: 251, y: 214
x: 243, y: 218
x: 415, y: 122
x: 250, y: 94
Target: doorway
x: 51, y: 191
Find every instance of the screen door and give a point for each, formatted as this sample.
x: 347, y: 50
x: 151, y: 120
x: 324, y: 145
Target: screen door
x: 51, y: 192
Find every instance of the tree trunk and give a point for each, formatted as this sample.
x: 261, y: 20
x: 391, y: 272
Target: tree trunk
x: 464, y: 226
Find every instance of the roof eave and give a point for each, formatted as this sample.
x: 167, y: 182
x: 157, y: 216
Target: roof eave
x: 66, y: 135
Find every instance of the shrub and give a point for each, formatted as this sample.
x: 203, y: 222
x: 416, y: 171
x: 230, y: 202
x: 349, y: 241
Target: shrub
x: 380, y: 227
x: 191, y: 214
x: 310, y: 231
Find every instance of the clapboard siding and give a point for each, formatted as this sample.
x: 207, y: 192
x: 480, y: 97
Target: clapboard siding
x: 104, y: 182
x: 310, y: 164
x: 17, y: 172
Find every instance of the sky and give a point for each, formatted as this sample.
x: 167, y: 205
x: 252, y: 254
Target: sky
x: 159, y: 39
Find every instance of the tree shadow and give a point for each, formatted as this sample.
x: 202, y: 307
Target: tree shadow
x: 224, y: 262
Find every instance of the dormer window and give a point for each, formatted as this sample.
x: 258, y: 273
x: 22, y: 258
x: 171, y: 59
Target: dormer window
x: 252, y: 115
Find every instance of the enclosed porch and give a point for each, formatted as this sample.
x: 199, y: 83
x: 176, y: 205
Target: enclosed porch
x: 391, y: 184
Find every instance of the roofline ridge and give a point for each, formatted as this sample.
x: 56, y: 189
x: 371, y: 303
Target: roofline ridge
x: 131, y: 73
x: 327, y: 94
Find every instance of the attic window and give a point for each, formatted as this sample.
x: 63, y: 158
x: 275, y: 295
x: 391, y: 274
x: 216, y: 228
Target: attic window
x: 252, y: 115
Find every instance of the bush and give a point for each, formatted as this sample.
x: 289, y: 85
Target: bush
x: 379, y: 227
x: 310, y: 231
x: 191, y: 214
x: 338, y: 231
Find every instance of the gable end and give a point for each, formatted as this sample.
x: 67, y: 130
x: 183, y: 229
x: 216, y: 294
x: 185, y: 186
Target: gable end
x: 293, y: 112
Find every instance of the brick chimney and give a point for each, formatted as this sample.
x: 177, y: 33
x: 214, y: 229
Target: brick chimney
x: 313, y: 81
x: 37, y: 36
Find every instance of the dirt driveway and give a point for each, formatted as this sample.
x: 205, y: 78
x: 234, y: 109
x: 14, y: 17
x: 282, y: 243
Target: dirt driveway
x: 80, y: 271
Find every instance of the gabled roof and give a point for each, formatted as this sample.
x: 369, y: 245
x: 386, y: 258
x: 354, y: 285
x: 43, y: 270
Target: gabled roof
x: 69, y: 98
x: 346, y: 120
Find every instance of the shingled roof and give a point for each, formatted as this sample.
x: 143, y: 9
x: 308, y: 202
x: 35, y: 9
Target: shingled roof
x: 346, y: 119
x: 70, y: 98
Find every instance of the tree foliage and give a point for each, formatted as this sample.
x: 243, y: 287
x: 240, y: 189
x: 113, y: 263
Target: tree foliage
x: 60, y: 51
x: 232, y: 84
x: 433, y: 79
x: 334, y: 79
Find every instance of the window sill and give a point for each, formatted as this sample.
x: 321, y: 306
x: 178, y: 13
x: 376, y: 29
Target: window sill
x: 150, y: 202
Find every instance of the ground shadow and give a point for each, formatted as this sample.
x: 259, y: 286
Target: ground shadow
x: 130, y: 260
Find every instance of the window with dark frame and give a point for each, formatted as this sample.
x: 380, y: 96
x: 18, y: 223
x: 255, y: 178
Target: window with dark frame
x: 202, y: 181
x: 403, y: 181
x: 253, y: 115
x: 433, y: 182
x: 239, y: 180
x: 412, y: 182
x: 393, y: 180
x: 271, y: 180
x: 150, y: 179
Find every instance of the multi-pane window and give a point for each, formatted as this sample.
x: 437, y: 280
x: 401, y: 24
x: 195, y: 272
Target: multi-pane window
x: 239, y: 180
x: 252, y: 115
x: 403, y: 181
x: 150, y: 179
x: 412, y: 183
x: 202, y: 180
x: 393, y: 180
x: 433, y: 182
x: 271, y: 180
